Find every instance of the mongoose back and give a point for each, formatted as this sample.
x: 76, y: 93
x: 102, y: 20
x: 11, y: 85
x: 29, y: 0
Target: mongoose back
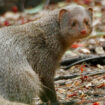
x: 30, y: 53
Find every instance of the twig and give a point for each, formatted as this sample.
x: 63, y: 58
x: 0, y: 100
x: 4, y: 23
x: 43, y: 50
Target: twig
x: 72, y: 60
x: 77, y: 102
x: 60, y: 103
x: 79, y: 75
x: 98, y: 34
x: 91, y: 101
x: 94, y: 59
x: 66, y: 77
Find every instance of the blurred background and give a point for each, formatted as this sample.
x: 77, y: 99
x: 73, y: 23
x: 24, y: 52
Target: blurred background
x: 34, y: 6
x: 6, y: 5
x: 14, y: 12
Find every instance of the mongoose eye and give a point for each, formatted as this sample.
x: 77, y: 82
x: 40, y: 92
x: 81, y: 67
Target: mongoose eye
x: 86, y: 22
x: 74, y: 24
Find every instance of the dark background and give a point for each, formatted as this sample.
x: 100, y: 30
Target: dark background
x: 6, y: 5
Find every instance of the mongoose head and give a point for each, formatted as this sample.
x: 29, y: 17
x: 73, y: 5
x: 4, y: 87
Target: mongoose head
x: 75, y: 22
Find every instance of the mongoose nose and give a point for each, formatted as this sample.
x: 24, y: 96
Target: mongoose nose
x: 83, y: 32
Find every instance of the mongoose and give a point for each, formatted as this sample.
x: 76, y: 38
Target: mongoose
x: 30, y: 53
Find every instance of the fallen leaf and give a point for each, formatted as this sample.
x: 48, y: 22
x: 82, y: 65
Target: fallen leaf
x: 96, y: 103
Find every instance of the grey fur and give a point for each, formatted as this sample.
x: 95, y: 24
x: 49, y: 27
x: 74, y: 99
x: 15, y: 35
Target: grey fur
x: 30, y: 54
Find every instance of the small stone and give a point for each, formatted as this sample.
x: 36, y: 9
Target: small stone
x: 99, y: 50
x: 84, y: 50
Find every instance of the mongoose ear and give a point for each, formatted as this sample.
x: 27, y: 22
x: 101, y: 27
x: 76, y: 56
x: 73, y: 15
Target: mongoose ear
x: 90, y: 12
x: 61, y: 13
